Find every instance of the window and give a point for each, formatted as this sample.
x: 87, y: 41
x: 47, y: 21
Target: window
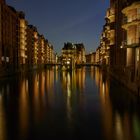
x: 138, y: 11
x: 139, y: 31
x: 138, y: 54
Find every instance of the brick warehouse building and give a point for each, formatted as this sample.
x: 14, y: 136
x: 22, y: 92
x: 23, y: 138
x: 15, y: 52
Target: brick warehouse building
x: 8, y: 39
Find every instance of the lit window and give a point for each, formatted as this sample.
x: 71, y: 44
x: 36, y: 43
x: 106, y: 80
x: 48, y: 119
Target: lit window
x: 138, y: 11
x: 138, y: 55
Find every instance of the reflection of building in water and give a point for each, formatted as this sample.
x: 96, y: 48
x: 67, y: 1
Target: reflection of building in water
x: 66, y: 82
x: 36, y: 95
x: 37, y: 98
x: 56, y: 73
x: 2, y: 117
x: 92, y: 68
x: 80, y: 78
x: 74, y: 86
x: 49, y: 77
x: 23, y: 106
x: 77, y: 78
x: 67, y: 90
x: 97, y: 76
x: 118, y: 122
x: 42, y: 84
x: 69, y: 96
x: 49, y: 85
x: 72, y: 82
x: 105, y: 105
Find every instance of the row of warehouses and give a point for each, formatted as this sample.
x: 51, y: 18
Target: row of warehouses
x: 21, y: 46
x: 119, y: 47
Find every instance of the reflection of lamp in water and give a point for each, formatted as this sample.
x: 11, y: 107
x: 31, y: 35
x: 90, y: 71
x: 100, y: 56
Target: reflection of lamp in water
x: 103, y: 89
x: 69, y: 96
x: 26, y: 86
x: 37, y: 80
x: 119, y: 132
x: 68, y: 85
x: 37, y: 83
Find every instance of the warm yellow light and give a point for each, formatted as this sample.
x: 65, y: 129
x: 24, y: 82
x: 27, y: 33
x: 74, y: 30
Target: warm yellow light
x: 68, y: 62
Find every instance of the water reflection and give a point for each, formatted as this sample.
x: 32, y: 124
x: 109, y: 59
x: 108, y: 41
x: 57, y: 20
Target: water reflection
x: 119, y: 110
x: 80, y: 103
x: 2, y: 118
x: 73, y: 83
x: 23, y: 106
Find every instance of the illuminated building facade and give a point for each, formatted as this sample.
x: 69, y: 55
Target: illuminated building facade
x: 120, y: 42
x: 22, y: 50
x: 80, y: 53
x: 21, y: 46
x: 113, y: 36
x: 107, y: 40
x: 97, y: 58
x: 8, y: 39
x: 68, y: 54
x: 46, y: 50
x: 110, y: 33
x: 32, y: 49
x: 131, y: 23
x: 41, y: 46
x: 40, y: 51
x: 104, y: 46
x: 73, y: 54
x: 51, y: 54
x: 91, y: 58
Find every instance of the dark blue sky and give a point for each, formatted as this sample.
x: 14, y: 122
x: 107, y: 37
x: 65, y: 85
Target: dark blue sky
x: 66, y: 20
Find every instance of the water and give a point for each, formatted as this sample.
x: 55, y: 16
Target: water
x: 82, y: 104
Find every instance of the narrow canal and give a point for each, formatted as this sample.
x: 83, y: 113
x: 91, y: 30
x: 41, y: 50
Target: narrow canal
x: 81, y: 104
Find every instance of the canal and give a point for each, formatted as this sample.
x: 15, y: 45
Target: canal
x: 81, y: 104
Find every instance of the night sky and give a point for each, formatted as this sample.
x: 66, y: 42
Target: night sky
x: 77, y: 21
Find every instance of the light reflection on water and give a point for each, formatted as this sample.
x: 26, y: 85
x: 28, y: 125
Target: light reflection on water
x: 67, y: 104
